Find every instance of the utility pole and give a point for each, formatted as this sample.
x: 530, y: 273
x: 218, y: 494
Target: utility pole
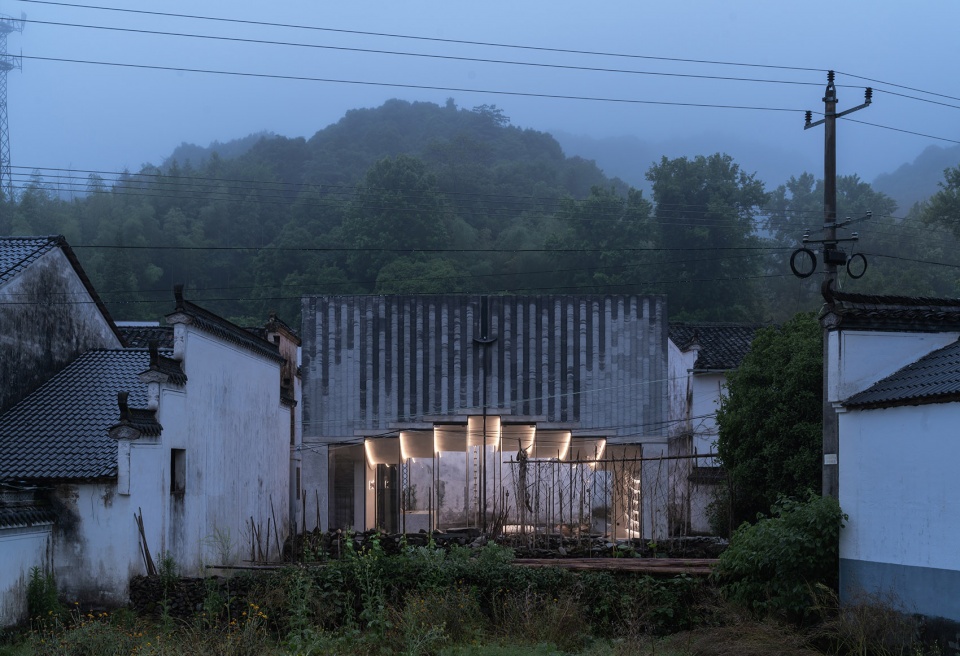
x: 7, y: 63
x: 832, y: 256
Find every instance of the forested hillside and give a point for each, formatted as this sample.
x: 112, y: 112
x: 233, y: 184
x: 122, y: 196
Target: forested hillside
x: 416, y: 197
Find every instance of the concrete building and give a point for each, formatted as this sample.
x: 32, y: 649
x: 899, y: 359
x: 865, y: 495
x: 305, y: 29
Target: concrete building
x: 425, y: 412
x: 893, y: 373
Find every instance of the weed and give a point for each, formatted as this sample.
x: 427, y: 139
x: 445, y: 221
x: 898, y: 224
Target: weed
x: 42, y: 596
x: 869, y: 623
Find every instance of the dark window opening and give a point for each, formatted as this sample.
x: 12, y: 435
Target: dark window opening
x: 178, y: 471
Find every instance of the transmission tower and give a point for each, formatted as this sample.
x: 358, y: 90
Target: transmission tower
x: 8, y: 62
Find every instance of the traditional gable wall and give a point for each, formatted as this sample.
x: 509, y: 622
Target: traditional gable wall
x: 233, y: 432
x: 47, y: 319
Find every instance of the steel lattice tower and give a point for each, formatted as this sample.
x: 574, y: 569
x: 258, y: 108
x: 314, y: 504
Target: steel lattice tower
x: 8, y: 63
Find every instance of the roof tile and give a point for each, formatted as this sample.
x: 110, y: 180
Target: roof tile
x: 60, y: 430
x: 934, y: 377
x: 722, y: 346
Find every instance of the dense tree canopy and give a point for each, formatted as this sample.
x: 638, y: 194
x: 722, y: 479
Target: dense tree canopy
x: 705, y: 208
x: 417, y: 197
x: 770, y: 419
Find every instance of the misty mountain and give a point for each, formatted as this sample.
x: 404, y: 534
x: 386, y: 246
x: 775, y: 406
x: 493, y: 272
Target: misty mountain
x: 629, y: 157
x: 916, y: 181
x: 198, y: 156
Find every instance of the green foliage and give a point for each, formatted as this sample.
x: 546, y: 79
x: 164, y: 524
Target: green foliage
x: 705, y: 208
x: 592, y: 234
x: 944, y: 206
x: 42, y: 597
x: 771, y: 567
x: 796, y: 207
x: 770, y: 419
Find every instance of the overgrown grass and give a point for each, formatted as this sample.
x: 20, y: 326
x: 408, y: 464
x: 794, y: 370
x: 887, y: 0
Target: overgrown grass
x: 432, y: 602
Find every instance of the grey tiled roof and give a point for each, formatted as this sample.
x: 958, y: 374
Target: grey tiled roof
x: 907, y: 313
x: 60, y: 431
x: 722, y: 346
x: 140, y: 336
x: 16, y: 253
x: 26, y: 516
x: 933, y: 378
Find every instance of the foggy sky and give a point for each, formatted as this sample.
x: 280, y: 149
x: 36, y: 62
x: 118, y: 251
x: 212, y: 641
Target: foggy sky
x: 108, y: 118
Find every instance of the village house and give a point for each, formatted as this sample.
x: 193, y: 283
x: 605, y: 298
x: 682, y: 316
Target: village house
x: 124, y: 456
x: 893, y: 374
x: 49, y: 314
x: 486, y: 412
x: 700, y: 357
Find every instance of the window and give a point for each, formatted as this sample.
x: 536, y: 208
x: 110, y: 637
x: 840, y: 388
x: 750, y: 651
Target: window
x: 178, y: 471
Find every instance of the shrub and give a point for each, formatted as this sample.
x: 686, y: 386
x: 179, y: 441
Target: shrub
x: 772, y: 566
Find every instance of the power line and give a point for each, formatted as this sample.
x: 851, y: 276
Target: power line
x: 497, y: 45
x: 887, y: 127
x: 370, y: 249
x: 425, y: 55
x: 398, y: 85
x: 899, y: 86
x: 424, y: 38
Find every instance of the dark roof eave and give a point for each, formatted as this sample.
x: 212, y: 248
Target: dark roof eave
x: 930, y: 399
x: 49, y: 481
x: 78, y: 269
x: 220, y: 327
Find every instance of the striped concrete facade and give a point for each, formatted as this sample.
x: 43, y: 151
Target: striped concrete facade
x: 593, y: 363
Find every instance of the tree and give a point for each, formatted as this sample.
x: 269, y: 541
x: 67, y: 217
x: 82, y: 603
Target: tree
x: 598, y: 238
x: 899, y: 253
x: 770, y: 420
x: 943, y: 208
x: 704, y: 211
x: 397, y: 210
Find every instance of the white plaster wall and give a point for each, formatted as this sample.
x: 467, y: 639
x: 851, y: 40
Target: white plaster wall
x: 96, y: 554
x: 236, y: 434
x: 899, y: 486
x: 858, y: 359
x: 21, y: 549
x: 679, y: 365
x: 707, y: 390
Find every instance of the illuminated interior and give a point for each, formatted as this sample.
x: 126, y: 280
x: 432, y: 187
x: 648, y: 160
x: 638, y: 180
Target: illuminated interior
x: 494, y: 476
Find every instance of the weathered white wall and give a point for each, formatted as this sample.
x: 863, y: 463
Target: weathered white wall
x: 858, y: 359
x: 236, y: 434
x: 95, y: 543
x: 22, y: 549
x: 42, y: 304
x: 693, y: 402
x: 679, y: 392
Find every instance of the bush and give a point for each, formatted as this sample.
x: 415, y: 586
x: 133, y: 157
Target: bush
x: 772, y: 566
